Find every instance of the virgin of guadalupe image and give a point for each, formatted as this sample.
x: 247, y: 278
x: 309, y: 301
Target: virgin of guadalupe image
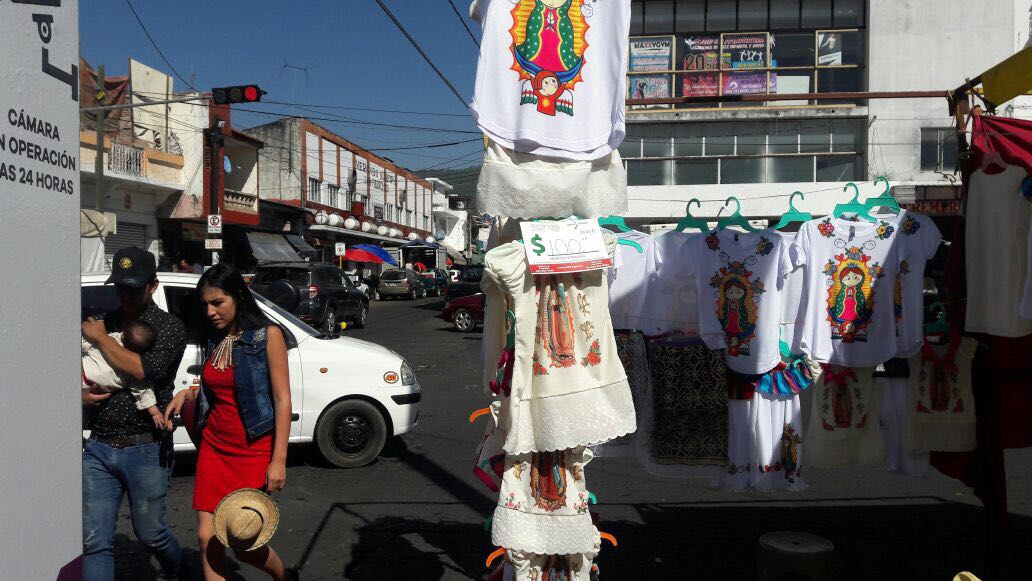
x: 555, y: 325
x: 849, y: 305
x: 548, y: 480
x: 736, y: 311
x: 549, y: 37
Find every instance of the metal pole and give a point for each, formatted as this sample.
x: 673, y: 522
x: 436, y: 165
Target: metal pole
x: 147, y: 104
x: 214, y: 141
x: 98, y: 164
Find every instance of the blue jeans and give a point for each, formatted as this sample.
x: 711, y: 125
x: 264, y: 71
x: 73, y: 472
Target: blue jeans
x: 108, y: 473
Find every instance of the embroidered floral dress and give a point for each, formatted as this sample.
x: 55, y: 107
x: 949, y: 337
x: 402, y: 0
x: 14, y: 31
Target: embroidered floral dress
x: 568, y: 386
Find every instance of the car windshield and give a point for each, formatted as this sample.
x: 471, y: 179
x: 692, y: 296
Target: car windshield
x: 298, y: 276
x: 285, y: 315
x: 393, y: 275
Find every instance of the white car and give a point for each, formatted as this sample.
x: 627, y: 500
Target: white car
x: 348, y: 395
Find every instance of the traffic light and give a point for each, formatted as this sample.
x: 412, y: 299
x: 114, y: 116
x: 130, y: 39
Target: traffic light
x: 238, y: 94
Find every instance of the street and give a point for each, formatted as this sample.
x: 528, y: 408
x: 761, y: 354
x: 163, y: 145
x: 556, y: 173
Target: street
x: 418, y: 511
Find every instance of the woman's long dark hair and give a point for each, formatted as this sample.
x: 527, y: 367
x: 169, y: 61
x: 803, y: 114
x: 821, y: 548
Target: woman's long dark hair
x: 249, y: 317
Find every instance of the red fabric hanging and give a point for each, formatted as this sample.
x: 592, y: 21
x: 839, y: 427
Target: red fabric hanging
x: 1011, y: 138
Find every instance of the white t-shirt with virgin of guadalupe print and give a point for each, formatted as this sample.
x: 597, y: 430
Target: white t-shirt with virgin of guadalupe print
x: 551, y: 74
x: 851, y: 269
x: 919, y: 239
x: 740, y: 276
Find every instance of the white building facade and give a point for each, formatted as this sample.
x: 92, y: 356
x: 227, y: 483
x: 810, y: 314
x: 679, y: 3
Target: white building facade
x: 763, y: 151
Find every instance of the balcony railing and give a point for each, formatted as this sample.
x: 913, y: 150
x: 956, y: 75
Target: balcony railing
x: 126, y: 159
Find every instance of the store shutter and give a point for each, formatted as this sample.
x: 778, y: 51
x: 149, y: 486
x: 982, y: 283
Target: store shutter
x: 128, y: 235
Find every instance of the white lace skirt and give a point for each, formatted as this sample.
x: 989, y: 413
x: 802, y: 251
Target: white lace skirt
x: 522, y: 185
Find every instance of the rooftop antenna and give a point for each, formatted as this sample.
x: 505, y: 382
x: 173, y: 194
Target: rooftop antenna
x: 293, y: 81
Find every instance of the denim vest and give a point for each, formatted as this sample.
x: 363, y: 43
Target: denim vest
x: 253, y: 386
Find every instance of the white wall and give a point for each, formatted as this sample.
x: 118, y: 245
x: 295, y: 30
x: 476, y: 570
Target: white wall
x: 40, y: 419
x: 921, y: 45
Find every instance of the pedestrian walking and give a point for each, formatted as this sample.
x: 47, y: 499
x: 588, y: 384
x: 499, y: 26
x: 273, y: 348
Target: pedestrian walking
x: 126, y: 453
x: 243, y: 413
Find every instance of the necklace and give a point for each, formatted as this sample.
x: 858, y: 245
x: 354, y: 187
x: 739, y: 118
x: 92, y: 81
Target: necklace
x: 222, y: 357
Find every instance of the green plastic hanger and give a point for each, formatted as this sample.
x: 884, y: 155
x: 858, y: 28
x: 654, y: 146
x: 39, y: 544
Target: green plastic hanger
x: 853, y: 206
x: 619, y: 223
x: 690, y: 221
x: 793, y: 215
x: 940, y: 325
x: 736, y: 219
x: 884, y: 200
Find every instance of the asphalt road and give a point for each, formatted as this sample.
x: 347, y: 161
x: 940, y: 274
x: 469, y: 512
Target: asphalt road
x: 417, y: 512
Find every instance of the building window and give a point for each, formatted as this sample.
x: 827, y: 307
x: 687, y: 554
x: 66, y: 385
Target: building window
x: 333, y: 197
x: 426, y: 223
x: 409, y: 220
x: 745, y: 152
x: 938, y: 149
x: 314, y: 190
x: 705, y: 48
x: 390, y: 213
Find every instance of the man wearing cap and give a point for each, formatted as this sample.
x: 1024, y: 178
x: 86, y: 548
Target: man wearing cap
x: 125, y: 453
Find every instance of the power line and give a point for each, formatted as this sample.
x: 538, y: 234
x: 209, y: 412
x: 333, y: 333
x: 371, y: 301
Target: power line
x: 359, y: 122
x: 411, y: 40
x: 464, y: 25
x: 155, y: 45
x: 368, y: 109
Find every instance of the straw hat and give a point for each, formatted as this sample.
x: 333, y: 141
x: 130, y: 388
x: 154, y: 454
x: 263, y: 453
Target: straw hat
x: 246, y: 519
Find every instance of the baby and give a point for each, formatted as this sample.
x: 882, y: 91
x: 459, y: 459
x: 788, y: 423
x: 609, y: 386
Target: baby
x: 98, y: 375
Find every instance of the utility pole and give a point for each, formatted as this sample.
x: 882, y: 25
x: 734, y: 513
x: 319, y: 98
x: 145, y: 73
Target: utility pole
x: 98, y: 166
x: 213, y: 137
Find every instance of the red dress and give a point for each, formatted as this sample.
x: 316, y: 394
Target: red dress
x: 227, y: 461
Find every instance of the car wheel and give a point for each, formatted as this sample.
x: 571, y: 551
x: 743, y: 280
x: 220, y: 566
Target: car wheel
x: 362, y: 317
x: 351, y: 433
x: 463, y: 320
x: 413, y: 295
x: 423, y: 294
x: 330, y: 323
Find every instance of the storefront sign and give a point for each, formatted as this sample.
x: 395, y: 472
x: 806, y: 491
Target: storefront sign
x: 744, y: 51
x: 701, y: 53
x: 700, y: 84
x: 378, y: 214
x: 744, y: 83
x: 651, y: 54
x: 569, y: 246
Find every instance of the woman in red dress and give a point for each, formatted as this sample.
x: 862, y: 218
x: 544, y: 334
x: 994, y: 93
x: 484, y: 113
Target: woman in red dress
x: 246, y: 389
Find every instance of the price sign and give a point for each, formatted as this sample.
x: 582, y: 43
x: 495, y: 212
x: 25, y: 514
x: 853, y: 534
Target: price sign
x: 571, y: 246
x: 213, y: 244
x: 214, y: 224
x: 339, y: 249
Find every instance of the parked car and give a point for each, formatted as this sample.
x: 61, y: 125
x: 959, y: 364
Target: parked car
x: 468, y: 283
x: 401, y: 283
x: 318, y: 294
x: 464, y: 312
x: 436, y: 282
x: 348, y: 395
x: 356, y: 280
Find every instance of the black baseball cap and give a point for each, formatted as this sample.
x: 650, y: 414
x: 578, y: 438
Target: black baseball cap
x: 132, y: 266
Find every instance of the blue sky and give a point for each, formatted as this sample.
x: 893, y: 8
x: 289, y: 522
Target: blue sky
x: 354, y: 55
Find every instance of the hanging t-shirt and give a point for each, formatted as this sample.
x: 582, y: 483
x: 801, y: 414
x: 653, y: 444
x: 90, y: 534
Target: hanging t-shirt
x: 672, y: 301
x: 851, y: 269
x: 629, y: 279
x: 550, y: 78
x: 739, y: 277
x: 1025, y: 308
x: 996, y: 244
x: 793, y: 305
x: 920, y: 238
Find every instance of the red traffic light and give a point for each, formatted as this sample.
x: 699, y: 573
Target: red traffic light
x: 237, y: 94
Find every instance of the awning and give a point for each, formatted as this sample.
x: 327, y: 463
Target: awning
x: 300, y: 245
x: 421, y: 244
x: 271, y: 247
x: 1009, y: 79
x: 351, y: 233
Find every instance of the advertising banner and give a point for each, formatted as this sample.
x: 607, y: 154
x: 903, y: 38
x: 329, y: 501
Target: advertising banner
x: 700, y: 84
x: 651, y: 54
x: 744, y: 51
x: 700, y: 53
x: 744, y: 83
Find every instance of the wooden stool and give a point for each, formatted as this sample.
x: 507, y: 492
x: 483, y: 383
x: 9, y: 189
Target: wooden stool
x: 793, y: 556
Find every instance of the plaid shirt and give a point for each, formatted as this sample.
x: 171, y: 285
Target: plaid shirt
x: 117, y: 416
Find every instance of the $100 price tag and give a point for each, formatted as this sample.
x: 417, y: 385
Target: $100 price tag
x: 570, y: 246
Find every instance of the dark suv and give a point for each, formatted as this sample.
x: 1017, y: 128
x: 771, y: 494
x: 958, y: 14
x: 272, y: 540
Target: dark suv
x: 319, y: 294
x: 468, y: 283
x: 436, y: 282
